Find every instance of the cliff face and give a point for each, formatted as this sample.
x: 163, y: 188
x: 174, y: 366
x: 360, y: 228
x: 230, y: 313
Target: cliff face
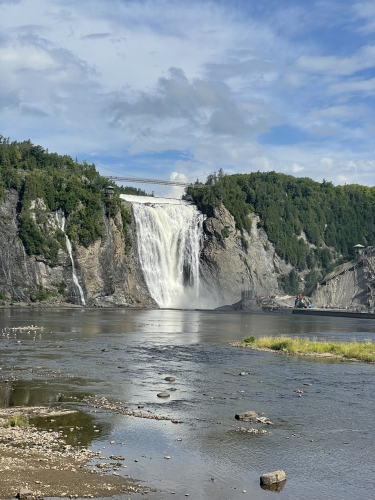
x: 232, y: 262
x: 108, y: 275
x: 351, y: 285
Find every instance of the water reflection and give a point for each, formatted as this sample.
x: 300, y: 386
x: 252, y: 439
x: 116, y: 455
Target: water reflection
x: 277, y: 487
x: 78, y: 428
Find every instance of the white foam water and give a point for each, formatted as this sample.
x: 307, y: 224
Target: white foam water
x: 170, y: 238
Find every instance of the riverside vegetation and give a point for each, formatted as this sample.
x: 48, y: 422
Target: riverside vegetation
x: 62, y: 184
x: 362, y: 351
x: 312, y: 225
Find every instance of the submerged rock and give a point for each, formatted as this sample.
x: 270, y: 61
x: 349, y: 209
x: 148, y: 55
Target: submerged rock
x: 253, y: 417
x: 251, y: 431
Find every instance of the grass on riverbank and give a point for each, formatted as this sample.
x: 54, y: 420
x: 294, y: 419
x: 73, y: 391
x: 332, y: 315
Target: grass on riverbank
x: 363, y: 351
x: 17, y: 421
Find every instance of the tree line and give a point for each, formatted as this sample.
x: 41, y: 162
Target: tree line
x: 312, y: 225
x: 63, y: 184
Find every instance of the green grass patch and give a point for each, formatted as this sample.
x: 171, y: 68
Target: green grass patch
x: 363, y: 351
x: 17, y: 421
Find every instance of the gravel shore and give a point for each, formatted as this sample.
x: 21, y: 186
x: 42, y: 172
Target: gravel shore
x: 41, y: 462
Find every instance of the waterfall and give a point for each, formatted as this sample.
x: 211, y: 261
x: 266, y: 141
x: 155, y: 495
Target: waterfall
x: 170, y: 238
x: 61, y: 220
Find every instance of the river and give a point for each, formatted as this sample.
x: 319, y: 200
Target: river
x: 323, y: 440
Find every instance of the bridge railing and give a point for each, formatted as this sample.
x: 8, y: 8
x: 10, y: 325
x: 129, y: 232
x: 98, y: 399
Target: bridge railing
x: 155, y: 181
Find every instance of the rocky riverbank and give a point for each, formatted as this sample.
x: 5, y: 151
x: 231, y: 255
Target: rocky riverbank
x: 35, y: 464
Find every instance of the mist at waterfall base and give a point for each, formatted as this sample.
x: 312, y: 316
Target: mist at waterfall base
x: 170, y: 239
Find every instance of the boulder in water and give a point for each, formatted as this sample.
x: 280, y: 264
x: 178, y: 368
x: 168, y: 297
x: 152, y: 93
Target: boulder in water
x: 163, y: 395
x: 170, y: 379
x: 253, y: 417
x: 247, y: 416
x: 273, y: 477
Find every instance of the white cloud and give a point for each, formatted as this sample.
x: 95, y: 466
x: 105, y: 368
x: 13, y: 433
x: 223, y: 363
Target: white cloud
x: 362, y: 59
x: 365, y: 11
x: 296, y: 168
x: 354, y: 85
x: 323, y: 129
x: 201, y: 77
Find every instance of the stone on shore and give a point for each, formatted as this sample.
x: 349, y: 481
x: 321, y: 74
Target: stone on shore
x: 26, y: 494
x: 273, y: 477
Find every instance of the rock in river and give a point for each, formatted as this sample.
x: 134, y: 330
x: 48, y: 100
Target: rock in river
x: 163, y: 395
x: 170, y: 379
x: 253, y: 417
x: 273, y: 477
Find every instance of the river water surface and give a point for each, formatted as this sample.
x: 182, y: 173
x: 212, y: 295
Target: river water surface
x: 323, y: 440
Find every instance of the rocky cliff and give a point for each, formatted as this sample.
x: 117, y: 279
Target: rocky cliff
x: 351, y: 285
x: 107, y: 271
x: 232, y: 261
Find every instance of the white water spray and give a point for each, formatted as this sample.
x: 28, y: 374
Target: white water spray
x: 170, y: 238
x: 61, y: 220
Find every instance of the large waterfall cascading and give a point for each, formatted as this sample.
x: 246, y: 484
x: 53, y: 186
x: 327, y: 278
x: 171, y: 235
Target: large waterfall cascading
x: 61, y: 220
x: 170, y: 238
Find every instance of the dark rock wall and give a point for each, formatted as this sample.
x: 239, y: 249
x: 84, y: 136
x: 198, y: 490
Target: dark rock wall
x: 108, y: 275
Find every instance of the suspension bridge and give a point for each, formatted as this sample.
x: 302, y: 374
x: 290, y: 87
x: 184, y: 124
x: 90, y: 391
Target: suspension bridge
x: 156, y: 181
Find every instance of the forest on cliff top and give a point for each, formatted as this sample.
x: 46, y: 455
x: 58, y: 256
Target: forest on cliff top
x: 312, y: 225
x: 63, y: 184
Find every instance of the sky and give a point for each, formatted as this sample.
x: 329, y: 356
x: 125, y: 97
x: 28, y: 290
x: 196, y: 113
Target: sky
x: 175, y: 89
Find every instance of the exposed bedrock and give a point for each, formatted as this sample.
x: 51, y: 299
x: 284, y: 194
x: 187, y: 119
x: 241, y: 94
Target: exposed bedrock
x: 232, y: 262
x: 351, y: 285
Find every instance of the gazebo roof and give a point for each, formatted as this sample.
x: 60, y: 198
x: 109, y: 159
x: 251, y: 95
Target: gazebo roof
x: 358, y: 246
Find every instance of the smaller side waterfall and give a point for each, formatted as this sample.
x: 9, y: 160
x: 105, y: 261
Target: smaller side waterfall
x: 61, y: 220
